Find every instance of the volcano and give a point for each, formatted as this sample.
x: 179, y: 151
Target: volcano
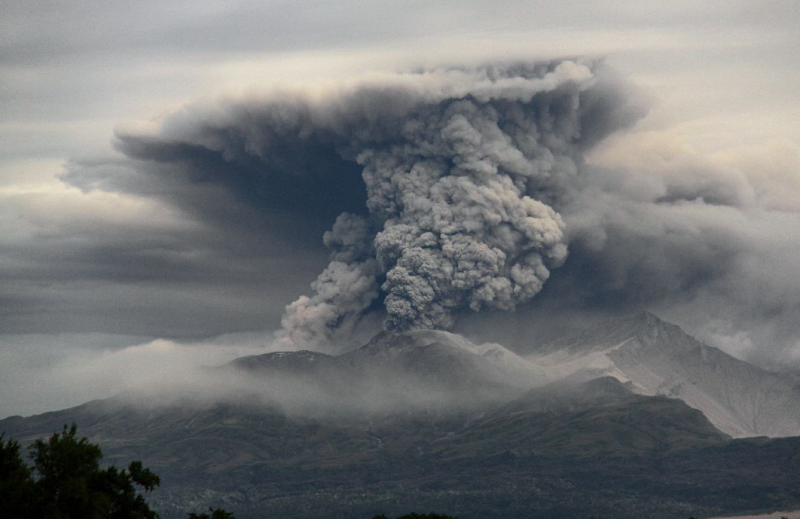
x: 632, y: 418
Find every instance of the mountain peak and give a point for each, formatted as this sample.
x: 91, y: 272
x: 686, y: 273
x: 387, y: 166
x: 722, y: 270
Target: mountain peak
x: 646, y: 316
x: 642, y: 324
x: 648, y: 320
x: 641, y: 320
x: 612, y: 333
x: 389, y: 343
x: 659, y: 358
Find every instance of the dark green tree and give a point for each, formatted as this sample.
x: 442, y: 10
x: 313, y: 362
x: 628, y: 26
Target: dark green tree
x: 18, y: 493
x: 66, y: 482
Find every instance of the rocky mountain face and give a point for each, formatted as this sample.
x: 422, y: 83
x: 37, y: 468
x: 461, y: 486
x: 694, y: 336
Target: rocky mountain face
x: 658, y: 358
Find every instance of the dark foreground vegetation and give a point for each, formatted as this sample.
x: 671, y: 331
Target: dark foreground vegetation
x: 66, y: 481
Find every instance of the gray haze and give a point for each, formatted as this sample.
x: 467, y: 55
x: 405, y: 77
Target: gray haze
x: 671, y: 183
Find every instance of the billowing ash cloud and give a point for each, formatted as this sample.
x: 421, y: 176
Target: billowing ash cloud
x: 446, y: 183
x: 343, y: 291
x: 453, y: 163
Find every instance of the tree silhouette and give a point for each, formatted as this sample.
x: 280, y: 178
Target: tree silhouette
x: 66, y: 482
x: 18, y: 492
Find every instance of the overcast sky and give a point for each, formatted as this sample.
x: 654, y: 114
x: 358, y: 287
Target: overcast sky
x: 92, y: 273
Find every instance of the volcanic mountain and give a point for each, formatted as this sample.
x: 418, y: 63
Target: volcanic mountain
x: 594, y: 424
x: 650, y: 356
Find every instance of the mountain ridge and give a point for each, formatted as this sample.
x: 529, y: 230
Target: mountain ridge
x: 653, y: 356
x: 659, y: 358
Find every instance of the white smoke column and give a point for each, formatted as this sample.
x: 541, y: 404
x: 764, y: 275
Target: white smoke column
x: 452, y: 162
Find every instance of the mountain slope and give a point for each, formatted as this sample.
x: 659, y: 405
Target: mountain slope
x: 557, y: 452
x: 658, y: 358
x: 598, y: 417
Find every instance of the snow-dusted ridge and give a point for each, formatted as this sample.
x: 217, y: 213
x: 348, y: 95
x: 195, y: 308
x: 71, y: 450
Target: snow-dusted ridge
x: 658, y: 358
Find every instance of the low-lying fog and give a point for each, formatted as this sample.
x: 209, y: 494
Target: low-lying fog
x: 162, y: 372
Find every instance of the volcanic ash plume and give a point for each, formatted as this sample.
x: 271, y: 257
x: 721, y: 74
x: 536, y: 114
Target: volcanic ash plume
x: 452, y: 161
x: 344, y: 289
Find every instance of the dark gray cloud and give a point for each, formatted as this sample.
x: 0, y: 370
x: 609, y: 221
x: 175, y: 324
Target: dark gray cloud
x: 710, y: 242
x: 706, y: 239
x: 458, y: 165
x: 119, y: 263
